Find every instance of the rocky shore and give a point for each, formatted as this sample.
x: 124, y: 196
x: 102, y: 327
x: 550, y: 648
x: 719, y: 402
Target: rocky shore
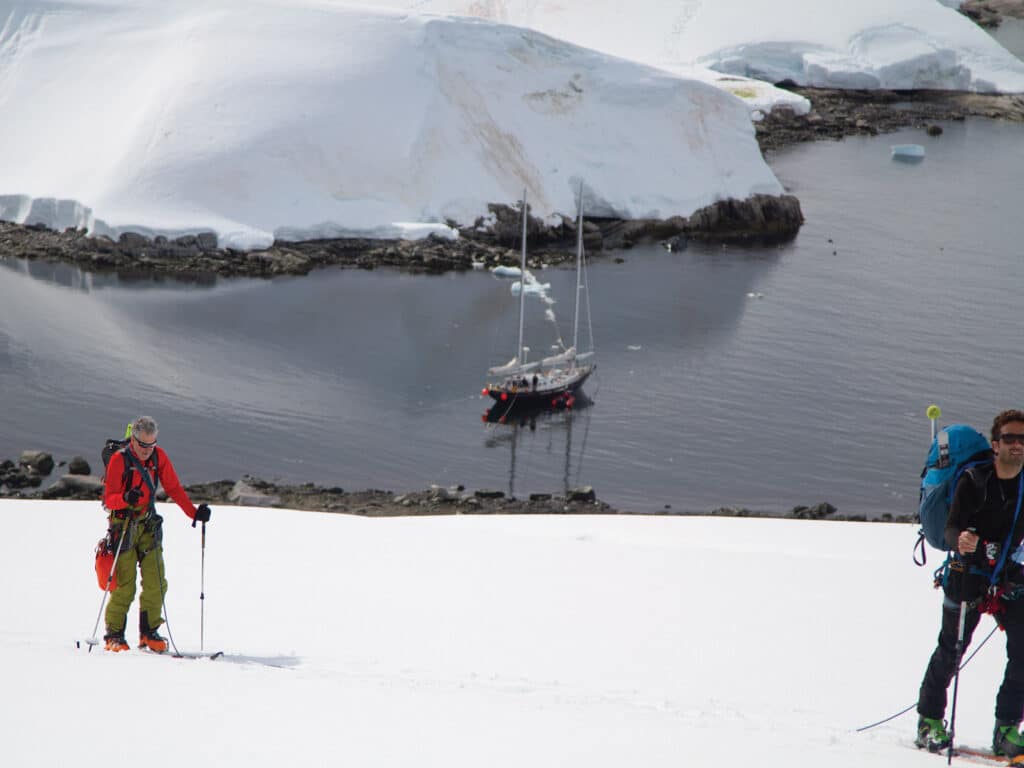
x: 29, y: 477
x: 836, y: 114
x: 990, y: 13
x: 761, y: 218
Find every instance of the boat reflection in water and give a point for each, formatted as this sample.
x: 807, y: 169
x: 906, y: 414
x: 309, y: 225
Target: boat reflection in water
x: 537, y: 432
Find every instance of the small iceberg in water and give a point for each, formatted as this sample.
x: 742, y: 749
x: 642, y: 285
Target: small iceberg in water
x: 532, y: 286
x: 908, y: 152
x: 505, y: 271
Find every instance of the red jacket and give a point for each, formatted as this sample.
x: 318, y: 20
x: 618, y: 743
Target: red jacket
x: 116, y: 486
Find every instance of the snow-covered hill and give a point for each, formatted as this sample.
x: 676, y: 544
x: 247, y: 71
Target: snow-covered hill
x: 468, y: 641
x: 896, y: 44
x: 297, y: 119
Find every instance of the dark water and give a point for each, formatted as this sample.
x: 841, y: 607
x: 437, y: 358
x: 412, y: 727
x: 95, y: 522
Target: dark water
x: 812, y: 389
x: 1010, y: 34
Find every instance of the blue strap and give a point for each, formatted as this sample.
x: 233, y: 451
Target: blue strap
x: 1009, y: 536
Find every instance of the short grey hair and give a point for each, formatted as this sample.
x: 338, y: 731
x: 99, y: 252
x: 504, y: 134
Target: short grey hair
x: 144, y: 424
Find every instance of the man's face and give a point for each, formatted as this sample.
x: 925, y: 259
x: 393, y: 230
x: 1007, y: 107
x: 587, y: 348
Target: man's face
x: 144, y: 443
x: 1009, y: 449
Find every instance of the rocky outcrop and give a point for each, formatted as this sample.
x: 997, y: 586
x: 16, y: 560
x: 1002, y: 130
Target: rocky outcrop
x: 79, y: 466
x: 37, y: 461
x: 246, y: 495
x: 761, y: 218
x: 488, y: 243
x: 990, y: 13
x: 836, y: 114
x: 84, y: 487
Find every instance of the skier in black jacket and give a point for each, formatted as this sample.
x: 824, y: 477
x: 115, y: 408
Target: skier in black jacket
x: 985, y: 504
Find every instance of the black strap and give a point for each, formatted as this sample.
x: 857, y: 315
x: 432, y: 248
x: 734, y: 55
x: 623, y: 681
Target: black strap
x: 920, y: 546
x: 145, y: 475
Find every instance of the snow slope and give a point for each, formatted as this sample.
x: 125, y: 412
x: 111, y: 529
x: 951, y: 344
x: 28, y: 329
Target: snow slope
x: 864, y: 44
x: 298, y: 119
x: 467, y: 641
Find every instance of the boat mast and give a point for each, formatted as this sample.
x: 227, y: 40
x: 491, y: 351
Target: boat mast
x: 579, y: 263
x: 522, y: 287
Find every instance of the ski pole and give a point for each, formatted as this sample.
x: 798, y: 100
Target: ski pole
x: 202, y: 591
x: 202, y: 586
x: 93, y: 640
x: 959, y: 656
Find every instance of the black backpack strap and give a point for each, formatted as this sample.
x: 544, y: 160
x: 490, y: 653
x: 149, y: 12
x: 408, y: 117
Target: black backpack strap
x: 145, y: 475
x: 920, y: 546
x: 126, y: 476
x: 980, y: 472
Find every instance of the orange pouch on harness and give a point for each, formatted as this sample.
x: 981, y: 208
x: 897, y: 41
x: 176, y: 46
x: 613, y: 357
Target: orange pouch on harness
x: 105, y: 566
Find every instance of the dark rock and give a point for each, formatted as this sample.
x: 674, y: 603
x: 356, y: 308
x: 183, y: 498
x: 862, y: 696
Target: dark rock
x: 760, y: 218
x: 75, y: 487
x: 540, y: 497
x: 586, y: 493
x: 133, y: 239
x: 934, y: 130
x: 989, y: 14
x: 732, y: 512
x: 79, y: 466
x: 488, y: 494
x: 207, y: 241
x: 817, y: 512
x: 39, y: 461
x: 25, y: 478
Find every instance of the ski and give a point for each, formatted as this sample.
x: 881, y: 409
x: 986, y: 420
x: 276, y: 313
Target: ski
x: 195, y: 655
x: 211, y: 655
x: 184, y: 654
x: 980, y: 756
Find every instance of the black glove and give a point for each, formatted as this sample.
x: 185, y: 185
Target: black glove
x: 132, y: 496
x: 203, y: 513
x: 120, y: 514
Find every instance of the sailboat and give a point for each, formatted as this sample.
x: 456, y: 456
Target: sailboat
x: 551, y: 381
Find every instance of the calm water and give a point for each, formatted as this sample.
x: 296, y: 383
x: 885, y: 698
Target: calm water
x: 903, y: 288
x: 1010, y: 34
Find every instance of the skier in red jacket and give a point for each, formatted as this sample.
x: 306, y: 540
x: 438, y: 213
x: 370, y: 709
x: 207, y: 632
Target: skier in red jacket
x: 133, y: 474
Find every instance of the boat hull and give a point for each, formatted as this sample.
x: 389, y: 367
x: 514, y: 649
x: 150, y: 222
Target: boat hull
x: 548, y: 391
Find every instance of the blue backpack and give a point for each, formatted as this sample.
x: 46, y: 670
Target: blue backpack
x: 954, y: 450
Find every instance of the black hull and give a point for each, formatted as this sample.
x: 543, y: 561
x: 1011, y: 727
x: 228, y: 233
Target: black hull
x: 541, y: 397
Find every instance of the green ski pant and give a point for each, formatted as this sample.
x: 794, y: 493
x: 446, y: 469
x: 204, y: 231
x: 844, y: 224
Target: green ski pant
x: 150, y: 557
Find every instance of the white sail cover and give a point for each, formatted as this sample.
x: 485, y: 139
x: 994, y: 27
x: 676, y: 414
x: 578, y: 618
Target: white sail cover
x: 562, y: 358
x: 511, y: 368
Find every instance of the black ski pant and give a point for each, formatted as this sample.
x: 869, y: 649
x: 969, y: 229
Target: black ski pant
x: 931, y: 702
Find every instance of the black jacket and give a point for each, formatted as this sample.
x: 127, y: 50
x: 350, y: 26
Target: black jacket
x: 986, y: 504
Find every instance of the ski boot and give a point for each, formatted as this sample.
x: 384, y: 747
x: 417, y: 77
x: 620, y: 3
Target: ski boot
x: 114, y: 641
x: 149, y: 638
x: 931, y: 734
x: 1007, y: 739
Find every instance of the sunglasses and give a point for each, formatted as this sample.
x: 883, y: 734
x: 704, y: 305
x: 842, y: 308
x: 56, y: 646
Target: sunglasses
x: 144, y: 444
x: 1010, y: 438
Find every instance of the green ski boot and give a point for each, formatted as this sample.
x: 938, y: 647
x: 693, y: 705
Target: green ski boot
x: 1007, y: 739
x: 931, y: 734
